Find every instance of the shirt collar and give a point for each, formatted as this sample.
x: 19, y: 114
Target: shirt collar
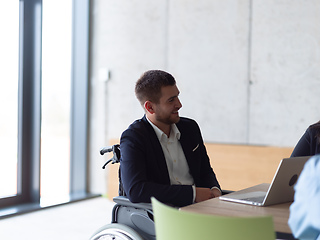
x: 160, y: 134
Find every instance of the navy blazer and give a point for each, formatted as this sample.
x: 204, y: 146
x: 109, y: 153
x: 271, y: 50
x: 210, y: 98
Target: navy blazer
x: 308, y: 144
x: 143, y: 167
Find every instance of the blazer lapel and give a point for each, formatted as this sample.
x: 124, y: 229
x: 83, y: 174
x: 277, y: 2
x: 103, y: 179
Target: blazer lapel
x: 159, y: 158
x: 189, y: 146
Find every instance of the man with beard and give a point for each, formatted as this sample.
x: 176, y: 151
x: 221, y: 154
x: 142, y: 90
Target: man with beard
x: 163, y: 154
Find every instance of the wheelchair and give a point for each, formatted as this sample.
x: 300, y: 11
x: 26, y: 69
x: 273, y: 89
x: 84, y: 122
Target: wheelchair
x: 130, y: 221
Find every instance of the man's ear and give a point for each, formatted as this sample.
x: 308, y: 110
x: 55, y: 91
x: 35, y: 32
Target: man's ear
x: 149, y: 107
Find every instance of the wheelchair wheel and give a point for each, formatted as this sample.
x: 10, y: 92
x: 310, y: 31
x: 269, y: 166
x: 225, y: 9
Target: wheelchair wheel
x: 116, y: 231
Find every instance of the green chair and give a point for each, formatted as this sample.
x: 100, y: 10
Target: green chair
x: 170, y: 223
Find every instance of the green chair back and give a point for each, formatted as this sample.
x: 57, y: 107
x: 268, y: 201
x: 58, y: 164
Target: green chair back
x: 170, y: 223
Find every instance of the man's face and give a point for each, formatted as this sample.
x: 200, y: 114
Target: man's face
x: 166, y: 111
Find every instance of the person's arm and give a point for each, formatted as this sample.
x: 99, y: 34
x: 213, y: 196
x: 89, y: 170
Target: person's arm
x: 305, y: 210
x: 207, y: 173
x: 203, y: 194
x: 208, y: 177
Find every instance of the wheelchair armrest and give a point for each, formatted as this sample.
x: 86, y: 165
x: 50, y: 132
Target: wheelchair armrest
x: 126, y: 202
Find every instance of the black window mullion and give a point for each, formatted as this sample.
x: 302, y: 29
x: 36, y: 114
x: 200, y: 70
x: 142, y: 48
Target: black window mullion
x: 79, y: 95
x: 30, y: 101
x: 29, y: 105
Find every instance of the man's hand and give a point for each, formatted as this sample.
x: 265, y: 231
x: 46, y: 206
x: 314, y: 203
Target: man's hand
x: 216, y: 192
x: 203, y: 194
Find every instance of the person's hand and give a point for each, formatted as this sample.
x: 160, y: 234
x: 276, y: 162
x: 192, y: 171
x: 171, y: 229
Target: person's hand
x: 203, y: 194
x: 216, y: 192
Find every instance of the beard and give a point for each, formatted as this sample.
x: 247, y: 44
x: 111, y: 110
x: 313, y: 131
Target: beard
x: 169, y: 119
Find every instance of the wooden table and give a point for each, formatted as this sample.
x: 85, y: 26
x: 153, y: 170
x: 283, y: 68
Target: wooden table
x: 215, y: 206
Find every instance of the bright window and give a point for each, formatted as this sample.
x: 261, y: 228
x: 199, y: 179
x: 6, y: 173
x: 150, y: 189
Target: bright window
x: 56, y: 96
x: 9, y: 62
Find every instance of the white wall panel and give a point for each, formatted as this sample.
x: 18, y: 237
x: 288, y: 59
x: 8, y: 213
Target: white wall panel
x: 208, y: 55
x: 130, y: 38
x: 248, y: 71
x: 285, y: 70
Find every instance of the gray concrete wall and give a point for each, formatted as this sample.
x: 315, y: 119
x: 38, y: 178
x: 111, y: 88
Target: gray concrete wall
x: 284, y: 70
x: 248, y: 71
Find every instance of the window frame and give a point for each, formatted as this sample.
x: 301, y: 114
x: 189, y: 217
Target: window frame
x: 29, y: 109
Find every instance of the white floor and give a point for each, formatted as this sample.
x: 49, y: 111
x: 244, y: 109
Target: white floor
x: 74, y: 221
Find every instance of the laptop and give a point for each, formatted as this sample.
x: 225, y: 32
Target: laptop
x: 281, y: 188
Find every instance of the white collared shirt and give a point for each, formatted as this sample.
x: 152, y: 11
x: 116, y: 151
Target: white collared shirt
x: 178, y: 168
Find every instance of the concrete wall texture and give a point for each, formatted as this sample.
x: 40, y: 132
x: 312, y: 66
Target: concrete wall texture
x: 248, y: 71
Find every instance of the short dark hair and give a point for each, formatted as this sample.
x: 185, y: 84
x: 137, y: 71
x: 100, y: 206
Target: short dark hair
x: 148, y: 86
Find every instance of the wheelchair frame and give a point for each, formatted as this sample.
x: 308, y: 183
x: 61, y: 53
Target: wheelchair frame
x: 130, y: 221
